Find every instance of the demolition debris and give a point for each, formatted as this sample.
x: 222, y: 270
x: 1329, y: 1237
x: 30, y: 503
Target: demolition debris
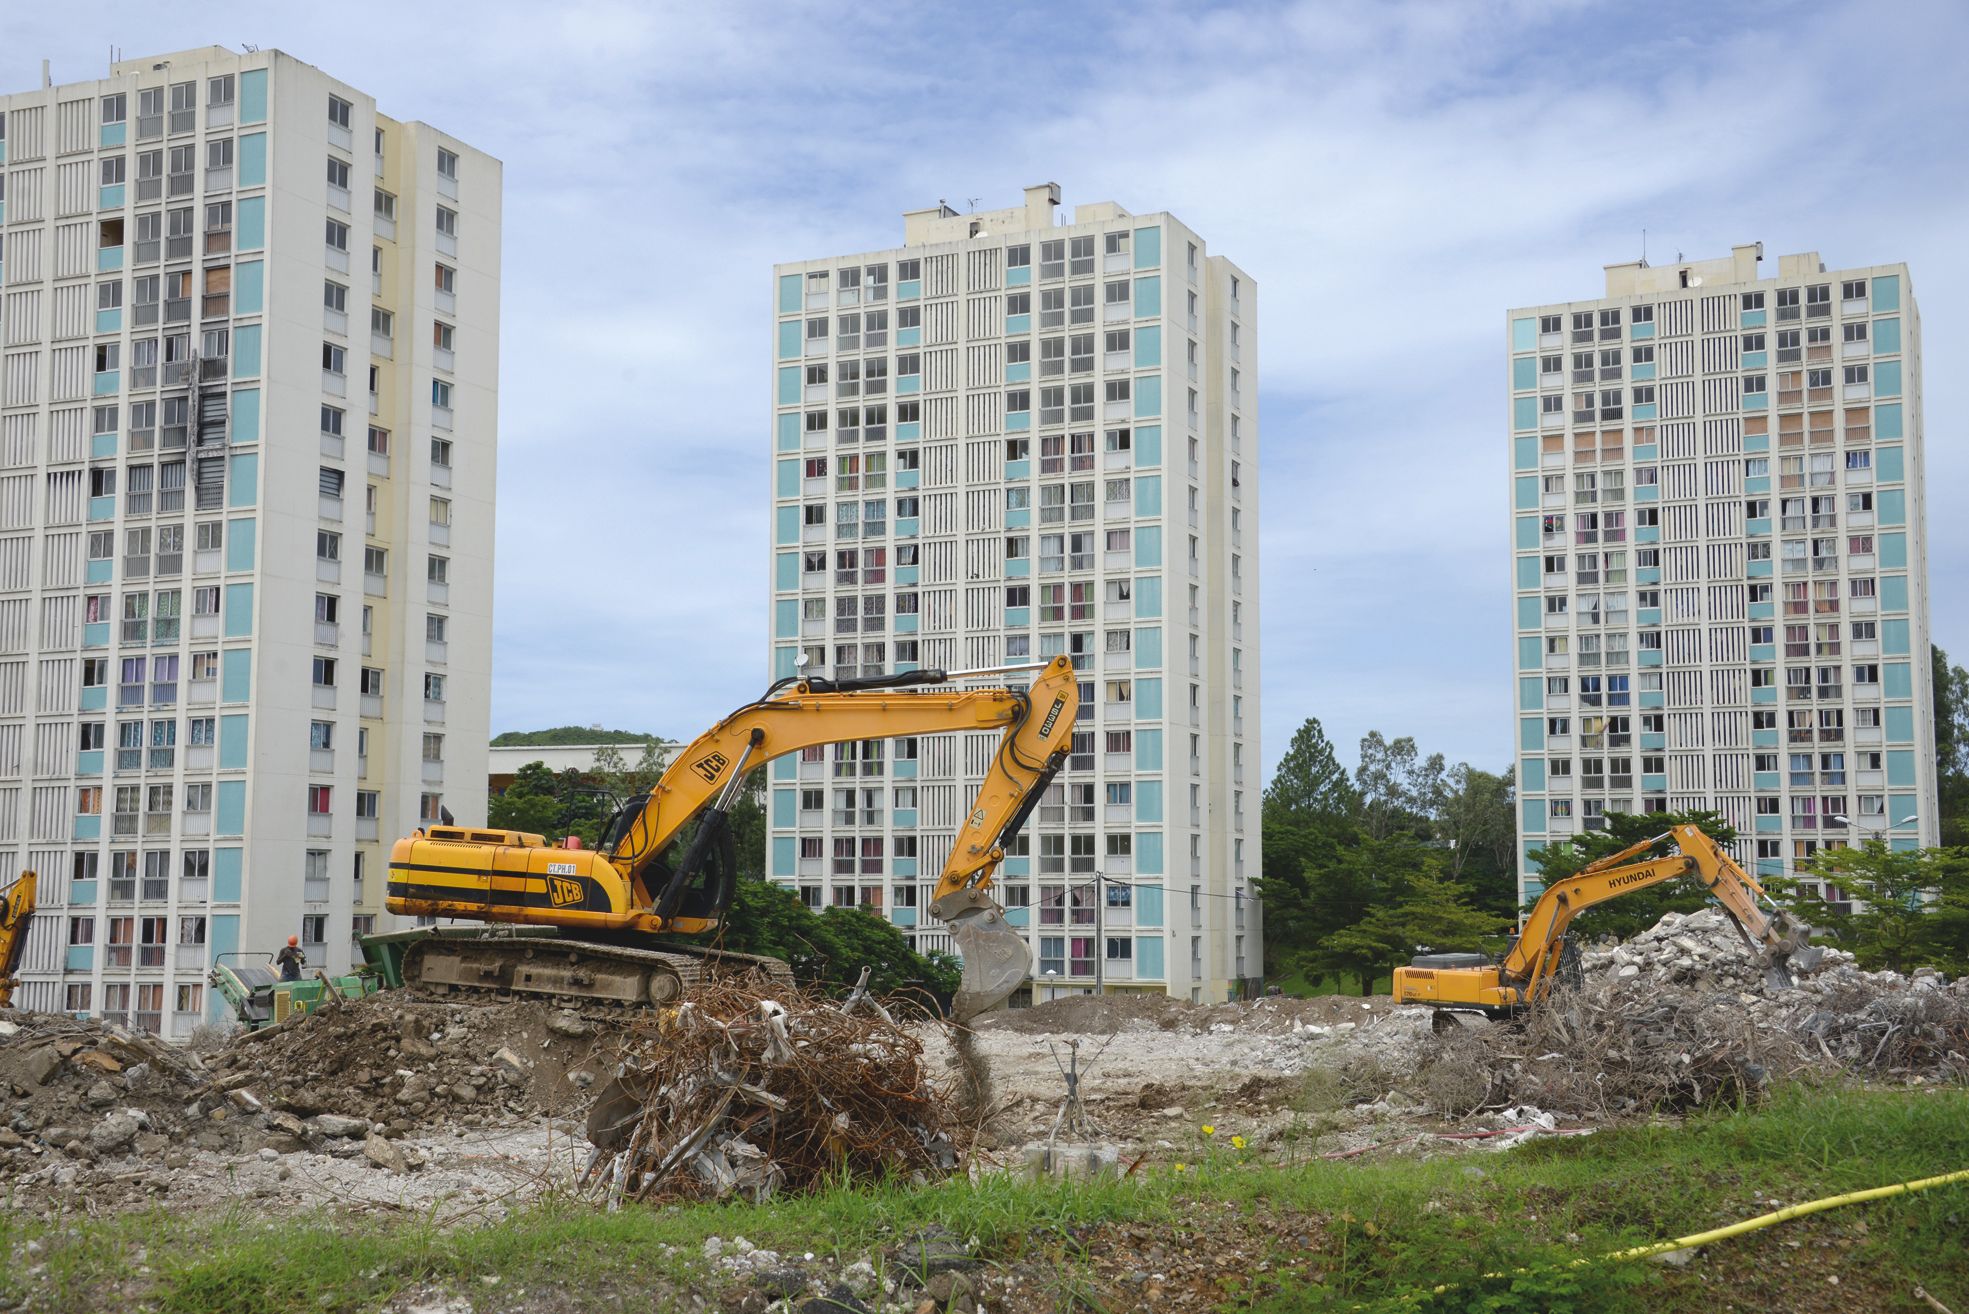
x: 755, y: 1091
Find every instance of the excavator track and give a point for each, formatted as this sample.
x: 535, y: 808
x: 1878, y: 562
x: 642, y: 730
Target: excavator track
x: 575, y: 970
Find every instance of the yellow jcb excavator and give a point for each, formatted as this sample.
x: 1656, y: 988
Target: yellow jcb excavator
x: 599, y: 924
x: 16, y: 909
x: 1541, y: 955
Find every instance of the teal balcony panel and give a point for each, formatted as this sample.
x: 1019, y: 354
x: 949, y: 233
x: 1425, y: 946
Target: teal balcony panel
x: 1757, y: 442
x: 1018, y: 470
x: 1763, y: 652
x: 1018, y: 567
x: 1644, y: 373
x: 1644, y: 411
x: 1758, y: 528
x: 1640, y: 332
x: 110, y: 197
x: 1648, y: 617
x: 95, y: 634
x: 909, y: 289
x: 1653, y: 698
x: 909, y: 337
x: 1019, y: 373
x: 109, y: 321
x: 81, y: 958
x: 1654, y: 784
x: 902, y: 769
x: 112, y: 134
x: 1020, y: 277
x: 1763, y: 739
x: 1649, y: 657
x: 1017, y: 325
x: 909, y: 431
x: 1763, y: 611
x: 1647, y: 575
x: 102, y: 445
x: 1644, y: 451
x: 906, y: 574
x: 1647, y: 534
x: 95, y: 697
x: 1765, y: 696
x: 89, y: 827
x: 903, y: 916
x: 102, y: 508
x: 905, y: 625
x: 908, y: 385
x: 1766, y: 780
x: 1018, y: 421
x: 1018, y: 618
x: 1653, y: 740
x: 108, y: 382
x: 89, y: 762
x: 1769, y: 825
x: 1648, y: 493
x: 1753, y: 319
x: 1755, y: 360
x: 108, y: 258
x: 1757, y: 484
x: 1756, y: 401
x: 906, y: 527
x: 1757, y: 569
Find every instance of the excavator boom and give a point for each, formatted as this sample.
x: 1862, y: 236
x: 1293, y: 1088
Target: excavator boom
x: 1526, y: 971
x: 653, y: 880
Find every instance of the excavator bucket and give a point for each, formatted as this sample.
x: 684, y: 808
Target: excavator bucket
x: 996, y: 960
x: 1791, y: 947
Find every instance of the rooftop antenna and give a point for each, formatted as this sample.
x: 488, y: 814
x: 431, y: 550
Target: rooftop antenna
x: 249, y: 47
x: 1644, y: 248
x: 971, y: 203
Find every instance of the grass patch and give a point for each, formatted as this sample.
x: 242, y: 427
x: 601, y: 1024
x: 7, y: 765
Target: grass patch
x: 1364, y: 1235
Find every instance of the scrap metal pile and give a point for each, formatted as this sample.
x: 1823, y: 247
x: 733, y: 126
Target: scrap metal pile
x: 754, y: 1090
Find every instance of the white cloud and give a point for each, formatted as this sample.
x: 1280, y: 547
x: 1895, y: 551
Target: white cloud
x: 1395, y: 176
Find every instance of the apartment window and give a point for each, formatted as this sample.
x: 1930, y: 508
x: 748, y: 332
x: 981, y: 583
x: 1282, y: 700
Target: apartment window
x: 437, y: 569
x: 441, y: 453
x: 441, y: 394
x: 433, y: 688
x: 447, y: 222
x: 445, y: 278
x: 338, y: 173
x: 340, y: 112
x: 327, y: 545
x: 334, y: 359
x: 433, y: 748
x: 324, y: 672
x: 321, y: 800
x: 447, y: 164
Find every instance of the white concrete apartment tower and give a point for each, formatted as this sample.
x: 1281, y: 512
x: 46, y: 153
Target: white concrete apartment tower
x: 1009, y: 438
x: 248, y: 418
x: 1720, y: 556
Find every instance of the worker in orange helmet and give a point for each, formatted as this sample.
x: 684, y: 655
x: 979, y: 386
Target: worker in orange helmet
x: 290, y: 959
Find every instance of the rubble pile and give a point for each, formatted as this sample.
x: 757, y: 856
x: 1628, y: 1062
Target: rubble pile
x: 752, y: 1090
x: 88, y: 1090
x: 1680, y: 1016
x: 403, y: 1063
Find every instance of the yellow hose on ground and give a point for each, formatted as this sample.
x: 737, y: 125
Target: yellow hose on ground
x: 1786, y: 1214
x: 1761, y: 1221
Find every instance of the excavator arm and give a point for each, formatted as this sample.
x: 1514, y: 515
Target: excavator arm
x: 16, y: 908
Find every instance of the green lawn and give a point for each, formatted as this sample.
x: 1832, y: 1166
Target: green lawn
x: 1493, y: 1232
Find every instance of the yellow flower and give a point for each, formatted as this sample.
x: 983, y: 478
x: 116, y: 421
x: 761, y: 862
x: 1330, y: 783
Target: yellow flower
x: 1237, y: 1142
x: 1209, y: 1130
x: 1182, y: 1167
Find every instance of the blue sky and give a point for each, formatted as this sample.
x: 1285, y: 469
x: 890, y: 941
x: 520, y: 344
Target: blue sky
x: 1395, y: 175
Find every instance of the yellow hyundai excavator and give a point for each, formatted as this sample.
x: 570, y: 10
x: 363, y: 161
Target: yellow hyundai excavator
x: 599, y: 924
x: 16, y: 908
x: 1541, y: 955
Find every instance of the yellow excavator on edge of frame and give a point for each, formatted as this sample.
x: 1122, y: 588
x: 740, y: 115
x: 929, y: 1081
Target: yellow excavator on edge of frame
x: 1476, y: 983
x: 16, y: 909
x: 598, y: 924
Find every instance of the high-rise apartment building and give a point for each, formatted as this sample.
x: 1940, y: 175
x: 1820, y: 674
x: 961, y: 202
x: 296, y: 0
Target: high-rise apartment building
x: 1719, y: 555
x: 248, y: 408
x: 1010, y: 438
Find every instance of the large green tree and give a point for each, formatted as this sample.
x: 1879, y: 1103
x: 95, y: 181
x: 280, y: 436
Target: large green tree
x: 1424, y: 911
x: 1911, y: 905
x: 1634, y: 912
x: 566, y: 735
x: 1951, y: 748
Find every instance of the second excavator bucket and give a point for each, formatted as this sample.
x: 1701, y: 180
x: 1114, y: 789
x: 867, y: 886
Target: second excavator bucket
x: 996, y: 960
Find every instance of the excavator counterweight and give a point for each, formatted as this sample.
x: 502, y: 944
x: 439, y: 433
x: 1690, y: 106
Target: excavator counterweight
x: 1541, y: 954
x: 602, y: 924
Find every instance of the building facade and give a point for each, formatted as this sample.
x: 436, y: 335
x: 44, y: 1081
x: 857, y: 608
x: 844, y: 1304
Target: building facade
x: 248, y: 410
x: 1009, y: 438
x: 1719, y: 556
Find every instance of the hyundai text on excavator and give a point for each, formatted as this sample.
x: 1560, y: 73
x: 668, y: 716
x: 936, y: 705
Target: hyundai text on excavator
x: 1541, y: 954
x: 16, y: 910
x: 600, y: 924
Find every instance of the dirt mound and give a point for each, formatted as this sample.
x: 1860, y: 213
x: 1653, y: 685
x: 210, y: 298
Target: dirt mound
x: 404, y: 1062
